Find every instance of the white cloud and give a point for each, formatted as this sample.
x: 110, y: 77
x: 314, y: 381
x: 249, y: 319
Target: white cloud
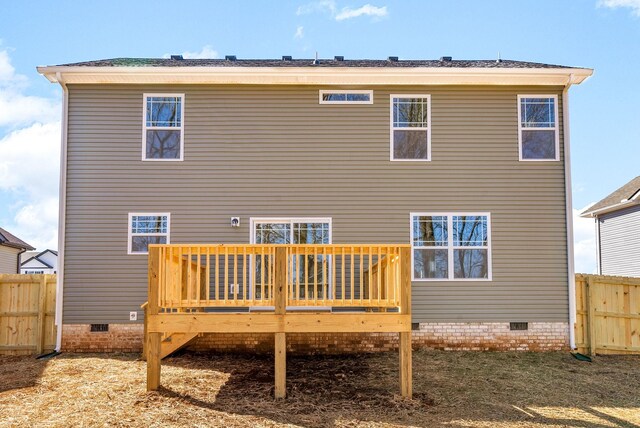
x: 317, y: 6
x: 584, y: 243
x: 17, y: 108
x: 634, y: 5
x: 36, y: 223
x: 207, y: 52
x: 366, y: 10
x: 29, y: 159
x: 330, y: 7
x: 299, y: 32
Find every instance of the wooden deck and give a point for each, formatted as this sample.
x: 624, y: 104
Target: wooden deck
x: 276, y: 289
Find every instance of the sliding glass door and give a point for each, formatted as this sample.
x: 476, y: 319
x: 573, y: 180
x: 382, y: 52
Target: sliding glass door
x: 310, y: 272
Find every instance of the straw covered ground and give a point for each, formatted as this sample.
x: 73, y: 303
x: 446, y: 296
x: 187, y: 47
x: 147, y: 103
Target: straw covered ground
x: 453, y: 389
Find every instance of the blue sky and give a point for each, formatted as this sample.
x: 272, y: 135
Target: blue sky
x: 600, y: 34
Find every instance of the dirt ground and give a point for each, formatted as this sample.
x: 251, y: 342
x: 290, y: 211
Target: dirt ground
x: 451, y: 389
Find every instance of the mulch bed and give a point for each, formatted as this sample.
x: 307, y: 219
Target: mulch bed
x: 459, y: 389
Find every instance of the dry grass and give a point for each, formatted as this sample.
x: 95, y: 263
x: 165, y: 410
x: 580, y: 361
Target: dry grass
x: 453, y: 389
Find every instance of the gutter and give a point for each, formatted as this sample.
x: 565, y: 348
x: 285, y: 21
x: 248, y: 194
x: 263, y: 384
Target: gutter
x: 313, y: 75
x: 62, y: 204
x: 615, y: 207
x: 571, y: 275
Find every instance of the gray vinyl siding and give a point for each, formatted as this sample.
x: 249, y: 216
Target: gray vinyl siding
x: 620, y: 242
x: 8, y: 259
x: 276, y: 152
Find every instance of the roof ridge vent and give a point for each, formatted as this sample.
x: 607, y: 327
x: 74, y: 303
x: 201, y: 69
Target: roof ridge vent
x: 177, y: 57
x: 338, y: 58
x: 445, y: 59
x: 393, y: 59
x: 230, y: 57
x: 287, y: 58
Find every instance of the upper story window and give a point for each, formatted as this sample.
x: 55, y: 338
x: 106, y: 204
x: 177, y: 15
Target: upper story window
x: 346, y: 97
x: 538, y: 127
x: 451, y: 246
x: 147, y: 228
x: 410, y: 127
x: 163, y: 129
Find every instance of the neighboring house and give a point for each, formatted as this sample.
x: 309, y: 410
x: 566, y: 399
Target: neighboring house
x: 617, y: 219
x: 10, y: 249
x: 38, y: 262
x: 467, y: 160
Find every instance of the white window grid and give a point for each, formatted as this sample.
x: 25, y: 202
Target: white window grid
x: 393, y: 127
x: 555, y: 128
x: 131, y: 233
x: 146, y: 126
x: 291, y: 221
x: 346, y: 93
x: 451, y: 247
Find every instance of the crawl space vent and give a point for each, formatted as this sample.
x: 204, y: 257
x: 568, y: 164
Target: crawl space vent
x: 95, y: 328
x: 518, y: 326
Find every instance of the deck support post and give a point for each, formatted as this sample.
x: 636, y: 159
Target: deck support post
x: 280, y: 302
x: 153, y: 361
x: 405, y: 364
x: 153, y: 339
x: 404, y: 344
x: 280, y: 365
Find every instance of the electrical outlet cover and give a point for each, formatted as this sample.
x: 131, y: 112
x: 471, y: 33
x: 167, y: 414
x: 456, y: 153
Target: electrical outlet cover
x: 133, y: 316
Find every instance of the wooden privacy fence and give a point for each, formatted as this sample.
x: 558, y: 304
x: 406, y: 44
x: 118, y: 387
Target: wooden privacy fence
x: 608, y: 314
x: 27, y: 314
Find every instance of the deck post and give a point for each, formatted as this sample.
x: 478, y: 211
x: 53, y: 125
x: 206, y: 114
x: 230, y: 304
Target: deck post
x: 153, y: 339
x: 404, y: 344
x: 280, y: 302
x: 280, y: 365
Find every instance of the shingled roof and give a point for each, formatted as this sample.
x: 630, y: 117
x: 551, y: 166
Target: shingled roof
x: 363, y: 63
x: 620, y: 198
x: 9, y: 240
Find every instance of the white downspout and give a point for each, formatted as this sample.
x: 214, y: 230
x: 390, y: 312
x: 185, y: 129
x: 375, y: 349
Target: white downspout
x: 598, y: 250
x: 569, y: 212
x: 62, y: 211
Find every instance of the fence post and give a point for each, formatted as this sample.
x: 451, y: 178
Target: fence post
x: 280, y: 340
x: 591, y: 315
x: 42, y: 314
x: 153, y: 339
x: 405, y: 336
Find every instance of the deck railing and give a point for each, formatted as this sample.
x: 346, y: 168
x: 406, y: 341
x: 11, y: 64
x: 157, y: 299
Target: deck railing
x: 194, y: 277
x: 187, y: 281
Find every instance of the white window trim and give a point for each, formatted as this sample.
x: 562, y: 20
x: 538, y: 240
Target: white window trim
x: 252, y: 236
x: 145, y: 96
x: 345, y: 91
x: 428, y: 128
x: 131, y: 234
x: 555, y: 128
x: 450, y: 248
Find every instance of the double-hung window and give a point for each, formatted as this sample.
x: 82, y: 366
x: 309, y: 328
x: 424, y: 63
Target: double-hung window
x: 451, y: 246
x: 163, y: 127
x: 147, y: 228
x: 410, y: 127
x: 538, y: 127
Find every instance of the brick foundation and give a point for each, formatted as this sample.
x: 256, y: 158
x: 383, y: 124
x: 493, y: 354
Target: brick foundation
x: 119, y: 338
x: 543, y: 336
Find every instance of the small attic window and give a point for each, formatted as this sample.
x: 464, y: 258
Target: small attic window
x: 346, y: 97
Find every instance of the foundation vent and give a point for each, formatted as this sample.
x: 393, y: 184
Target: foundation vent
x: 98, y: 328
x: 518, y: 326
